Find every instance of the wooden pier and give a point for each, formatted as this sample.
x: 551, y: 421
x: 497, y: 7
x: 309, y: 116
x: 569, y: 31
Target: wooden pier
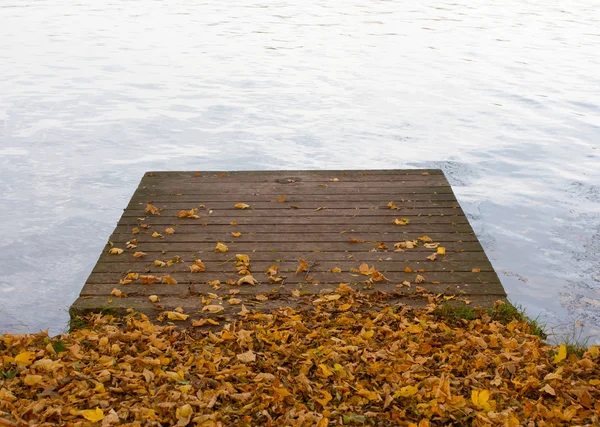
x: 262, y: 239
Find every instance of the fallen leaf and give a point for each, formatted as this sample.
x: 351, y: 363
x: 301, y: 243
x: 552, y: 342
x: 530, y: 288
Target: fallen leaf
x: 25, y: 358
x: 234, y: 301
x: 156, y: 235
x: 281, y: 199
x: 248, y: 279
x: 303, y: 266
x: 174, y: 315
x: 432, y: 257
x: 153, y: 298
x: 148, y: 280
x: 246, y: 357
x: 401, y: 221
x: 221, y: 247
x: 116, y: 251
x: 117, y: 293
x: 241, y: 206
x: 152, y: 209
x: 561, y: 354
x: 336, y: 270
x: 476, y: 270
x: 480, y: 399
x: 197, y: 267
x: 261, y: 297
x: 188, y: 214
x: 419, y: 279
x: 169, y: 230
x: 135, y: 230
x: 159, y: 263
x: 169, y: 280
x: 441, y: 250
x: 139, y: 254
x: 406, y: 391
x: 93, y: 415
x: 213, y: 308
x: 548, y: 389
x: 236, y: 234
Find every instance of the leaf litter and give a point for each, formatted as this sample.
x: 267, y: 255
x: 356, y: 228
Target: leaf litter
x: 342, y: 359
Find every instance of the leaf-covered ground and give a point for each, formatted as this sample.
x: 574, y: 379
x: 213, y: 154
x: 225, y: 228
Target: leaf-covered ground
x: 355, y: 360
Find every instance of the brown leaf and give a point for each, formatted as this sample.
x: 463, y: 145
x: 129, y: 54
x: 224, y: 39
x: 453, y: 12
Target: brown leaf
x: 241, y: 206
x: 303, y: 266
x: 152, y: 209
x: 169, y: 280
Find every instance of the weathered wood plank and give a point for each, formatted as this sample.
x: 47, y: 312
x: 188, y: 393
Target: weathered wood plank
x: 291, y: 197
x: 293, y: 256
x: 251, y: 237
x: 259, y: 267
x: 411, y: 231
x: 289, y: 204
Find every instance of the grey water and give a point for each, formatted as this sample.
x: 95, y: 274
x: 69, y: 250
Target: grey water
x: 504, y: 97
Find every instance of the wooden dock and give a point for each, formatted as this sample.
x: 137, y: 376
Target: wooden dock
x: 286, y: 234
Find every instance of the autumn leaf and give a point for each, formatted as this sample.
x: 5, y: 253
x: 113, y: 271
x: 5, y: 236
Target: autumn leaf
x: 221, y: 247
x: 188, y: 214
x: 281, y: 199
x: 248, y: 279
x: 241, y: 206
x: 326, y: 397
x: 169, y: 230
x: 236, y: 234
x: 561, y: 354
x: 148, y: 280
x: 25, y: 358
x: 234, y: 301
x: 336, y: 270
x: 425, y: 239
x: 152, y: 209
x: 156, y: 235
x: 480, y: 399
x: 432, y: 257
x: 174, y: 315
x: 117, y: 293
x: 93, y: 415
x: 406, y: 391
x: 184, y: 414
x: 153, y: 298
x: 159, y: 263
x: 213, y: 308
x: 246, y: 357
x: 135, y: 230
x: 401, y: 221
x: 197, y: 267
x: 115, y: 251
x: 419, y: 279
x: 139, y: 254
x: 353, y: 240
x: 261, y: 297
x: 303, y: 266
x: 391, y: 205
x: 169, y: 280
x: 32, y: 380
x: 407, y: 270
x: 441, y: 250
x: 271, y: 271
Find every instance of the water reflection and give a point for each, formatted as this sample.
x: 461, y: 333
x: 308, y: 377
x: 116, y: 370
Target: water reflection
x: 505, y: 98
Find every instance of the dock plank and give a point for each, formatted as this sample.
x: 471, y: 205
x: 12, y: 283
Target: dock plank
x: 331, y: 219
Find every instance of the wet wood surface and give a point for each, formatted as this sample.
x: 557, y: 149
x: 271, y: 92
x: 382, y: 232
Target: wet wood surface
x: 406, y: 226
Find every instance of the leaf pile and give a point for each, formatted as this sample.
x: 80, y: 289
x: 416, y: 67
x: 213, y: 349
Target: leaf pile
x: 344, y: 359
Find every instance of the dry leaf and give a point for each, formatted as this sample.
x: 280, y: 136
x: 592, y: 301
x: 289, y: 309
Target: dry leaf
x: 261, y: 297
x: 117, y: 293
x: 221, y: 247
x: 135, y: 230
x: 139, y: 254
x: 241, y: 206
x: 197, y: 267
x: 303, y: 266
x: 152, y: 209
x: 174, y: 315
x: 153, y: 298
x: 115, y: 251
x: 248, y: 279
x: 441, y: 250
x: 156, y: 235
x: 336, y: 270
x: 281, y: 199
x: 476, y: 270
x: 401, y: 221
x: 159, y: 263
x: 419, y: 279
x: 213, y: 308
x: 148, y: 280
x: 93, y: 415
x: 234, y: 301
x: 188, y: 214
x: 169, y: 280
x: 169, y: 230
x: 236, y: 234
x: 246, y: 357
x: 432, y: 257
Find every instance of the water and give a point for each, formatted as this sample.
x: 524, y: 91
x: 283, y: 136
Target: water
x: 504, y: 98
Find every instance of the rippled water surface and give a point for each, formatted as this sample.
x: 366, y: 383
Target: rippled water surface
x: 504, y: 98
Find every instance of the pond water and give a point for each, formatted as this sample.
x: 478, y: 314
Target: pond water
x: 504, y: 98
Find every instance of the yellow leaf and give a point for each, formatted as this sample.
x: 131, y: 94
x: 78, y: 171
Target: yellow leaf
x: 116, y: 251
x: 326, y: 397
x: 32, y: 379
x: 169, y: 230
x: 135, y: 230
x: 184, y: 413
x: 117, y: 293
x: 221, y: 247
x: 213, y: 308
x: 236, y: 234
x: 139, y: 254
x: 152, y: 209
x: 441, y: 250
x: 480, y: 399
x: 188, y: 214
x: 93, y: 415
x: 156, y: 235
x: 561, y: 355
x: 241, y: 206
x: 406, y: 391
x: 402, y: 221
x: 153, y: 298
x: 197, y: 267
x: 303, y: 266
x: 234, y: 301
x: 159, y: 263
x: 173, y: 315
x: 148, y: 280
x: 336, y: 270
x: 371, y: 395
x: 414, y: 329
x: 247, y: 279
x: 324, y: 370
x: 246, y: 357
x: 169, y: 280
x: 344, y: 307
x: 25, y: 358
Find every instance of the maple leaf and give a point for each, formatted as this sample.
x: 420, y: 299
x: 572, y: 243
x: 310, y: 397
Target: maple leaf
x: 221, y: 247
